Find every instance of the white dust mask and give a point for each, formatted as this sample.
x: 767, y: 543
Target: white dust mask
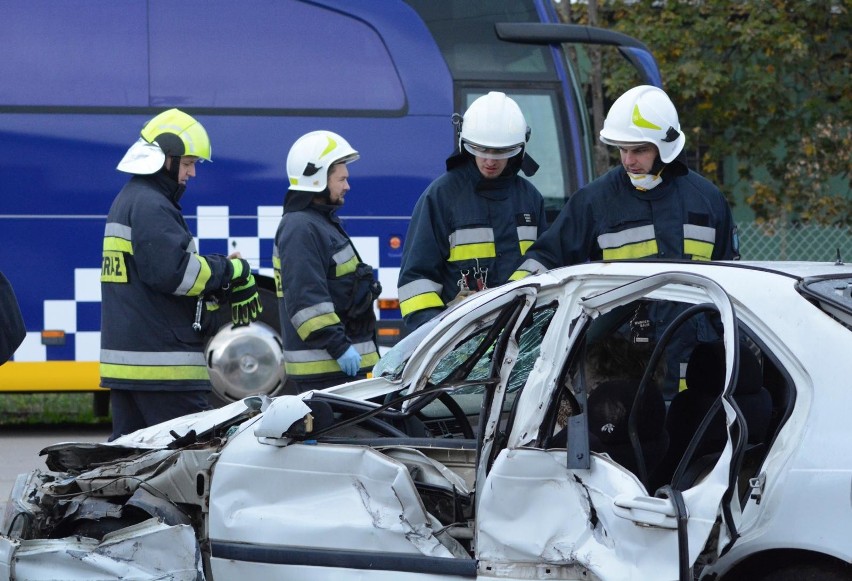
x: 645, y: 181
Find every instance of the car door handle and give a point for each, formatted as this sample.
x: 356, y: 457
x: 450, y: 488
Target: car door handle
x: 646, y: 510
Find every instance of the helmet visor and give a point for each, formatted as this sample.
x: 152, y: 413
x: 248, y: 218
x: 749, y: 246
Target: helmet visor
x: 492, y: 152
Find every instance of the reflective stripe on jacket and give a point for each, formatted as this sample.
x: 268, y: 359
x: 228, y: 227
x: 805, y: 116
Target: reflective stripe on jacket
x: 684, y: 217
x: 151, y: 276
x: 316, y: 273
x: 465, y: 227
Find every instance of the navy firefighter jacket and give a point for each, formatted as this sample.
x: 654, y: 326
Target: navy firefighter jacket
x: 465, y: 228
x: 686, y: 216
x: 151, y: 278
x: 327, y: 303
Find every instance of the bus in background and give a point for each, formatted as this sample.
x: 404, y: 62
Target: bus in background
x: 80, y: 77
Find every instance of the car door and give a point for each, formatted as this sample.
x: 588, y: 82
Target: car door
x: 564, y: 515
x: 325, y: 509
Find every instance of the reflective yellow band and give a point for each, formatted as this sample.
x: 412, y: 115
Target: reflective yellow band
x: 46, y: 376
x: 429, y: 300
x: 202, y: 278
x: 472, y: 251
x: 638, y: 250
x: 302, y: 368
x: 519, y: 274
x: 698, y: 250
x: 316, y: 323
x: 117, y: 245
x: 525, y: 245
x: 154, y: 372
x: 113, y: 268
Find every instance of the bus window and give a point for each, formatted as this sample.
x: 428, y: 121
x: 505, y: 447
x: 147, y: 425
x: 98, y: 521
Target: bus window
x: 287, y: 48
x: 45, y: 43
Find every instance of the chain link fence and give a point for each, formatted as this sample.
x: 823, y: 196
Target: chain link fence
x: 774, y: 241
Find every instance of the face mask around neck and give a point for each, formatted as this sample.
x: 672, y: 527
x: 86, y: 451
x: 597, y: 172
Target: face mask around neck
x: 645, y: 181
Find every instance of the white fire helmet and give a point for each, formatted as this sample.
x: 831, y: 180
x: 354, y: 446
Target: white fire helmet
x: 312, y: 155
x: 494, y: 127
x: 644, y: 114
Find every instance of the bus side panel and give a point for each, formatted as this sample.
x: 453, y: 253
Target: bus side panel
x: 59, y: 163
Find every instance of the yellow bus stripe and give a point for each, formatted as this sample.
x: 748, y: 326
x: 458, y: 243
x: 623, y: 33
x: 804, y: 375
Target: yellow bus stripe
x: 47, y: 376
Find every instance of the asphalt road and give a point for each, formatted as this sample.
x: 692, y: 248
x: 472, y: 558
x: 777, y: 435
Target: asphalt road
x: 20, y: 447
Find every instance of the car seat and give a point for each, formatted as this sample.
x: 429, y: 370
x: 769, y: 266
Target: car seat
x: 609, y: 406
x: 705, y: 380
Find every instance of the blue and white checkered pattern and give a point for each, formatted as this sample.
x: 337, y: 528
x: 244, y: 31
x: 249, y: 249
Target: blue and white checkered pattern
x: 216, y: 232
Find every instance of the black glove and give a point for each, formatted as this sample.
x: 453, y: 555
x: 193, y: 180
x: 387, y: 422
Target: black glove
x: 240, y: 272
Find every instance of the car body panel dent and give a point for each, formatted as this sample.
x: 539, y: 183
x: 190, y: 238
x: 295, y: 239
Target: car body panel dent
x: 320, y: 496
x: 570, y: 517
x: 150, y: 550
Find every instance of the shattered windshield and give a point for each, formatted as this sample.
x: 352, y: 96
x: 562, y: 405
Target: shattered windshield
x: 530, y: 343
x: 392, y: 363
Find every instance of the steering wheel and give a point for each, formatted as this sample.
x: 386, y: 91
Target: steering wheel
x: 458, y: 414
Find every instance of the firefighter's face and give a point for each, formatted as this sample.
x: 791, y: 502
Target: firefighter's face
x: 186, y: 169
x: 638, y: 159
x: 490, y: 168
x: 338, y: 183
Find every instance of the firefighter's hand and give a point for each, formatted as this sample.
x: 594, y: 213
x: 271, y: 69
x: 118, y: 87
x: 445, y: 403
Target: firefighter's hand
x: 350, y: 362
x: 459, y: 298
x: 245, y: 303
x: 240, y: 272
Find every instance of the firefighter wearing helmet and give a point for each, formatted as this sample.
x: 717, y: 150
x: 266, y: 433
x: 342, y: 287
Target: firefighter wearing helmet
x: 473, y: 224
x: 159, y: 295
x: 325, y: 291
x: 650, y: 207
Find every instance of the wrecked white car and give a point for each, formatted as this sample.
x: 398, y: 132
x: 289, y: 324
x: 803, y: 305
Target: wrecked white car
x: 608, y: 421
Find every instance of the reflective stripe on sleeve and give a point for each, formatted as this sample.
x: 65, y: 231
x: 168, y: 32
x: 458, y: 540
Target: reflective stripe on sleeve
x: 318, y: 361
x: 346, y: 261
x: 418, y: 295
x: 313, y: 318
x: 195, y: 276
x: 528, y: 267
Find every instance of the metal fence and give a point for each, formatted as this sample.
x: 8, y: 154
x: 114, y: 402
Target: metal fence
x: 774, y: 241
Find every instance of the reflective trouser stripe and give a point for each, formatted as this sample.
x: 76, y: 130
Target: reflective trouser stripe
x: 318, y: 361
x: 148, y: 365
x: 418, y: 295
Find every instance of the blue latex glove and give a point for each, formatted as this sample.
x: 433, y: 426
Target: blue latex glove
x: 350, y: 362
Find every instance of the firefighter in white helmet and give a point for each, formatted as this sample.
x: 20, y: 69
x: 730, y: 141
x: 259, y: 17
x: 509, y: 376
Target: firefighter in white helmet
x: 326, y: 293
x: 473, y: 224
x: 650, y: 207
x: 154, y: 283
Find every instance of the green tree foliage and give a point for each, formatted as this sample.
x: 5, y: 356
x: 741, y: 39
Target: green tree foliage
x: 765, y: 83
